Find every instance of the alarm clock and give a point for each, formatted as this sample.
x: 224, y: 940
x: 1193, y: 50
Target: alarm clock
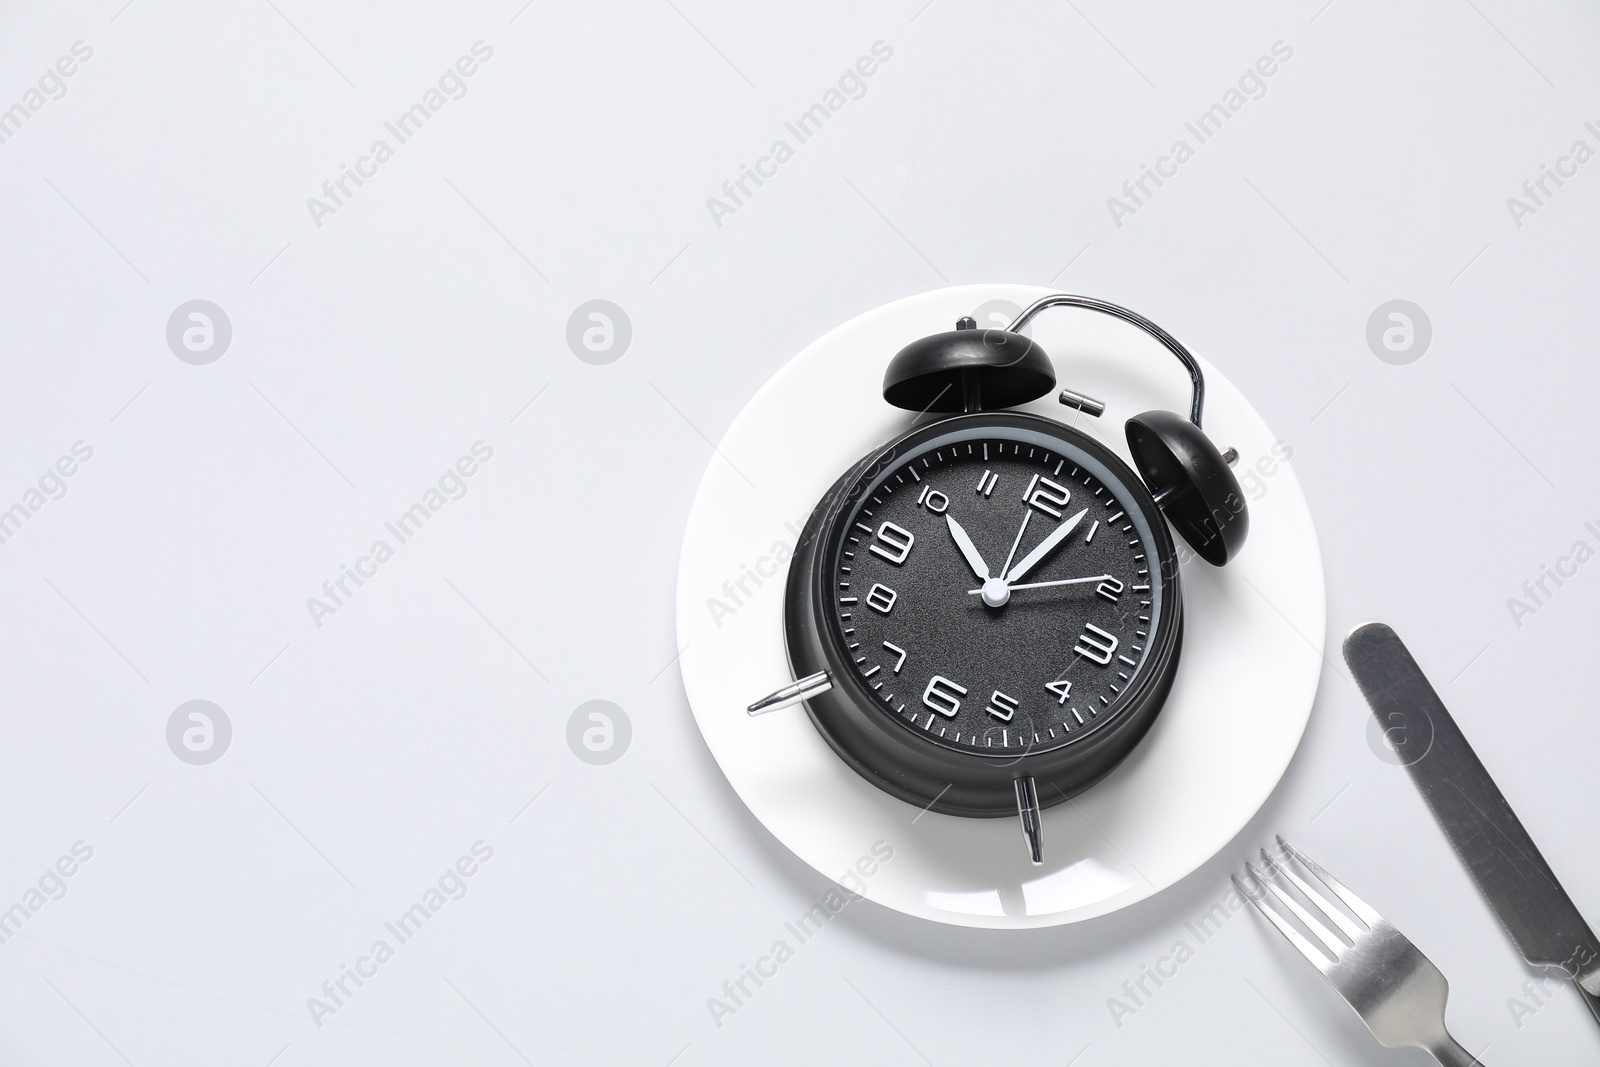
x: 984, y: 617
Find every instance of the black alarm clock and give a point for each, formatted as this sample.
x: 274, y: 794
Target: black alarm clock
x: 984, y: 616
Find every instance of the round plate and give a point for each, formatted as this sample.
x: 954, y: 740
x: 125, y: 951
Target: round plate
x: 1252, y: 646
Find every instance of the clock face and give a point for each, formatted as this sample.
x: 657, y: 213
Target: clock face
x: 997, y: 589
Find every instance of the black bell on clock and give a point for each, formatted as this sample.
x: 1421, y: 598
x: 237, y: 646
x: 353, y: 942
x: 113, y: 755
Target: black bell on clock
x: 968, y: 369
x: 986, y: 614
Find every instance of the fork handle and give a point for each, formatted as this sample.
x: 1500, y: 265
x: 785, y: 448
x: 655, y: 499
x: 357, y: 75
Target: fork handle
x: 1451, y: 1054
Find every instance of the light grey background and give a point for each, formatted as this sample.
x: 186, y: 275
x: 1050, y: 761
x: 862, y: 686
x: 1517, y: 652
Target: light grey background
x: 430, y: 312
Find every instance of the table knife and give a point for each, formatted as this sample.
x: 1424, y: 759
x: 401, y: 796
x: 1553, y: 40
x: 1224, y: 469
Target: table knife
x: 1521, y: 889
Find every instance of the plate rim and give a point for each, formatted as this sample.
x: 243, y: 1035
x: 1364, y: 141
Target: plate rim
x: 686, y: 604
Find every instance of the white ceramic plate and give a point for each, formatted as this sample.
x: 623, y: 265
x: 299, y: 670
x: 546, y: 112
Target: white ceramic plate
x: 1252, y: 646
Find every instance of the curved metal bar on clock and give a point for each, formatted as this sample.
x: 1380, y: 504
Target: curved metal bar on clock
x: 1133, y: 317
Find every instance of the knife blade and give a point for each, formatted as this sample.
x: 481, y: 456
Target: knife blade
x: 1486, y: 834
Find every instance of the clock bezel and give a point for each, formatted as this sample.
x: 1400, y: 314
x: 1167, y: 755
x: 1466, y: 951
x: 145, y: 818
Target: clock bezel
x: 926, y: 770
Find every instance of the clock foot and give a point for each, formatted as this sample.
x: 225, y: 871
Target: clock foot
x: 1028, y: 811
x: 806, y: 688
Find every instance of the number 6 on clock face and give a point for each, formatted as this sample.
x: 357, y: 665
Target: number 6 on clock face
x: 943, y: 695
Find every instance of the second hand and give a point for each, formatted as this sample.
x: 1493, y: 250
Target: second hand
x: 1060, y: 581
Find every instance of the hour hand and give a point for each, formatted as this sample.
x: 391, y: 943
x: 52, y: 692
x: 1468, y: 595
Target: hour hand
x: 968, y: 549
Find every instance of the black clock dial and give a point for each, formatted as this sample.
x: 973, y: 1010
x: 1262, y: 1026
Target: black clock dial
x: 984, y: 616
x: 997, y: 591
x: 992, y: 597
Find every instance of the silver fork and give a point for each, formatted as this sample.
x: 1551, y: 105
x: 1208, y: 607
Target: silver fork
x: 1395, y: 989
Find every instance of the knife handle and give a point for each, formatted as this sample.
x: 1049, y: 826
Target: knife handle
x: 1591, y: 1000
x: 1450, y: 1053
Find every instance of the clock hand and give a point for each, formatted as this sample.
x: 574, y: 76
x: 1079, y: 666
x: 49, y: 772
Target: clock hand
x: 968, y: 549
x: 1045, y: 547
x: 1015, y: 541
x: 1045, y: 585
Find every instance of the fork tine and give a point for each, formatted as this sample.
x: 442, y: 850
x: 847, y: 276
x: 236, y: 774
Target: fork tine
x: 1362, y: 909
x: 1330, y: 942
x: 1312, y: 955
x: 1329, y: 909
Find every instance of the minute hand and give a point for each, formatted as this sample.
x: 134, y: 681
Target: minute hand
x: 1045, y: 547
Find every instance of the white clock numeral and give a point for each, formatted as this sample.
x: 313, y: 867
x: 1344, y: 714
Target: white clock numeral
x: 987, y: 481
x: 1001, y: 706
x: 1096, y: 644
x: 901, y: 662
x: 943, y: 696
x: 881, y: 598
x: 1062, y: 690
x: 1111, y: 588
x: 898, y: 540
x: 933, y: 500
x: 1048, y: 496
